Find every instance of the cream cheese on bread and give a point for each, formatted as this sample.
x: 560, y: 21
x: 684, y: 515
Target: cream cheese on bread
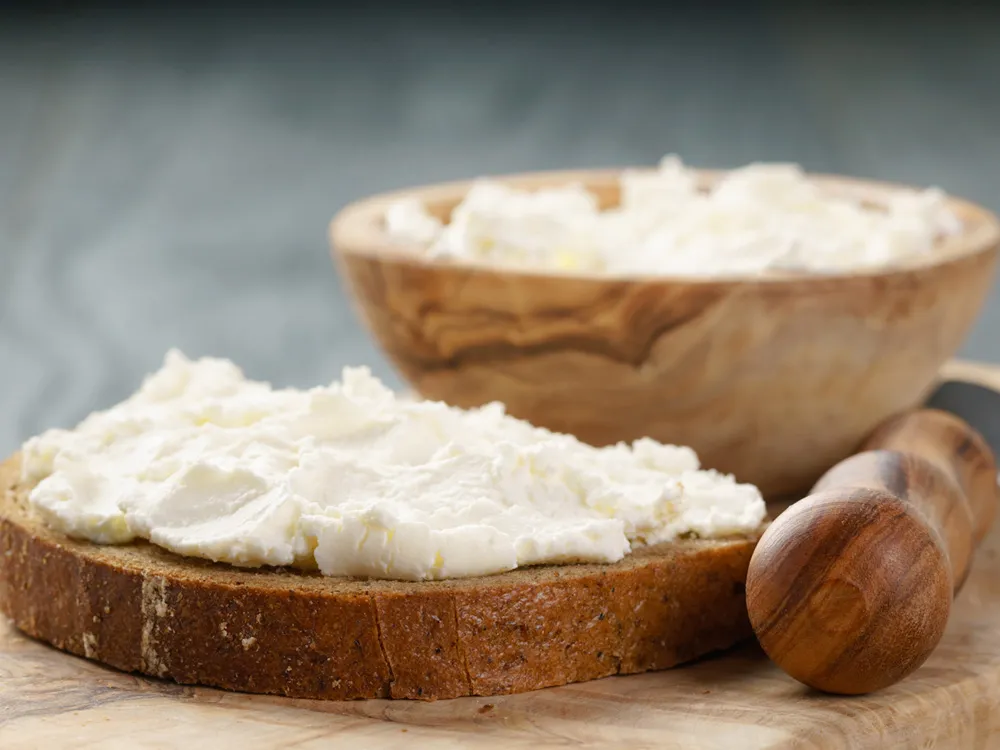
x: 352, y: 480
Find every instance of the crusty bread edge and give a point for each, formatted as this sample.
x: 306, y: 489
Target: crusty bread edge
x: 140, y: 609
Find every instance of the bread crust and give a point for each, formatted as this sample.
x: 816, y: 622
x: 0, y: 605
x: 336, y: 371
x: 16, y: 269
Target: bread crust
x: 139, y: 608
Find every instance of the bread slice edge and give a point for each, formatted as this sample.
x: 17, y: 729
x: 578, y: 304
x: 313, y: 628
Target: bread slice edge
x: 139, y: 608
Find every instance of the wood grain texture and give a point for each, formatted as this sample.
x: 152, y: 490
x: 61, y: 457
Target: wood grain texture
x: 746, y: 372
x: 934, y: 495
x: 850, y: 589
x: 954, y: 449
x: 851, y: 592
x: 739, y: 699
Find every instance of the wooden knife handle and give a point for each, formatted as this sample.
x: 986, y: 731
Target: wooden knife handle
x: 850, y: 589
x: 953, y: 447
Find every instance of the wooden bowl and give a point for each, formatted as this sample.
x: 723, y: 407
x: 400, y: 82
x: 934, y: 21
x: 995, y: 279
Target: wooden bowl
x: 773, y: 378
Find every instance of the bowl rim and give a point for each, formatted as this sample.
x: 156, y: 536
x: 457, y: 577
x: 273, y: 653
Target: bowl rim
x: 358, y: 229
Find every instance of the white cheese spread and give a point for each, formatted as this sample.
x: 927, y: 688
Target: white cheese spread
x: 757, y: 218
x: 353, y: 481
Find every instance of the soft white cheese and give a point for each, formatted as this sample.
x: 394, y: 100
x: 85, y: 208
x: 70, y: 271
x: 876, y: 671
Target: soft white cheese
x: 757, y: 218
x: 356, y: 482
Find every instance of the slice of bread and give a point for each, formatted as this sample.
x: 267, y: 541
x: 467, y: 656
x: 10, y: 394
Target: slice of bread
x: 140, y: 608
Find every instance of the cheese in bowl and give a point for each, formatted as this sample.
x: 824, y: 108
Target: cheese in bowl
x: 758, y: 218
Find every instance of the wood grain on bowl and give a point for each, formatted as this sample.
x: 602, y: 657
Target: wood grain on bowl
x: 772, y: 378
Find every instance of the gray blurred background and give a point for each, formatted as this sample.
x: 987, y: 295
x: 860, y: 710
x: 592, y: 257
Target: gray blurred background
x: 167, y: 174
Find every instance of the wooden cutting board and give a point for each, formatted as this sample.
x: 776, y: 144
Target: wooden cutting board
x: 49, y: 699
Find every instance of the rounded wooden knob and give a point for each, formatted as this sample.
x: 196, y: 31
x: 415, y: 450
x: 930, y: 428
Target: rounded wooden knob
x: 850, y: 589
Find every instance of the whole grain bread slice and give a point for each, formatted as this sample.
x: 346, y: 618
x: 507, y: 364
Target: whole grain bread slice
x: 140, y: 608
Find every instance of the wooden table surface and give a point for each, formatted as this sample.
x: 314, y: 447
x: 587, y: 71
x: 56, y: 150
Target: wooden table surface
x: 733, y: 700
